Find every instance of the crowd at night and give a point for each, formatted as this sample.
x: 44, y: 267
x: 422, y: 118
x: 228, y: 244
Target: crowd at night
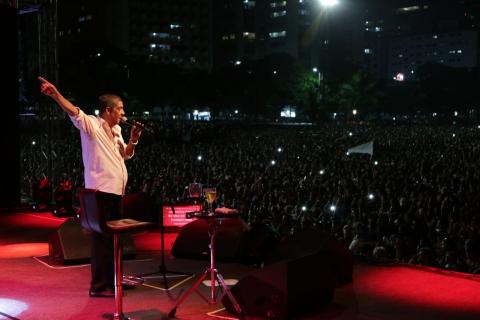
x: 414, y: 201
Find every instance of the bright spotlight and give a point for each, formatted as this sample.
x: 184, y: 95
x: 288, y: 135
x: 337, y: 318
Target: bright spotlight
x: 333, y: 208
x: 199, y: 158
x: 371, y: 196
x: 328, y: 3
x: 304, y: 208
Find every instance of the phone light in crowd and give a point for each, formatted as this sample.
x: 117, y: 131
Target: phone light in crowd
x: 453, y: 135
x: 348, y: 153
x: 478, y: 126
x: 399, y: 77
x: 304, y: 208
x: 96, y: 112
x: 273, y: 162
x: 354, y: 112
x: 274, y: 71
x: 195, y: 112
x: 394, y: 118
x: 199, y: 158
x: 321, y: 172
x: 34, y: 142
x: 333, y: 208
x: 279, y: 149
x: 350, y: 134
x: 298, y: 157
x: 236, y: 111
x: 375, y: 163
x: 434, y: 114
x: 371, y: 196
x: 455, y: 113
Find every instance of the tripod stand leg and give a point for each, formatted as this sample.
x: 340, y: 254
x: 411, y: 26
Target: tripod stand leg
x: 229, y: 294
x: 172, y: 312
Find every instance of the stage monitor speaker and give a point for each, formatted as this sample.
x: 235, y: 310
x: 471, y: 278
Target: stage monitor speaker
x: 193, y: 240
x: 71, y: 244
x: 310, y: 242
x: 284, y: 289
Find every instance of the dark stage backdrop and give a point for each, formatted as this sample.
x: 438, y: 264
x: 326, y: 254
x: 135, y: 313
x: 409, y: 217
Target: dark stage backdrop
x: 10, y: 132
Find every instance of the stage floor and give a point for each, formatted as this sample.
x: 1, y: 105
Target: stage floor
x: 33, y: 289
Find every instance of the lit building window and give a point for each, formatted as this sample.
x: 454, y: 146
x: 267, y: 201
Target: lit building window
x: 277, y: 34
x: 248, y: 4
x: 278, y: 4
x: 161, y: 47
x: 161, y: 35
x: 249, y: 35
x: 288, y: 112
x: 279, y: 14
x: 408, y: 9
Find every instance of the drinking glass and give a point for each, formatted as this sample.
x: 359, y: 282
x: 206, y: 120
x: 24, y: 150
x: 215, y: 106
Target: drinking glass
x: 210, y: 196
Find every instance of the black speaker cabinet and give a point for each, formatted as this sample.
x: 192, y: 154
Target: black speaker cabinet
x: 71, y: 244
x: 312, y: 242
x: 230, y: 239
x: 284, y: 289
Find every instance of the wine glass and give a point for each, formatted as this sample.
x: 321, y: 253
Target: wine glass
x: 210, y: 196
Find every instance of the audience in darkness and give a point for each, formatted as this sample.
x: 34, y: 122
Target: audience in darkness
x: 424, y: 190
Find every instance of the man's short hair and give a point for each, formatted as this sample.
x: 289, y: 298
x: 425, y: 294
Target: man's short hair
x: 107, y: 100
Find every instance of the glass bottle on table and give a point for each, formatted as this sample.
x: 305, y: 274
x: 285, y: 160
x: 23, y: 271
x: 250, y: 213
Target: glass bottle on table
x: 210, y: 195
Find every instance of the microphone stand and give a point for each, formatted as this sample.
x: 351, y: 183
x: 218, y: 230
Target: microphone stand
x: 162, y: 269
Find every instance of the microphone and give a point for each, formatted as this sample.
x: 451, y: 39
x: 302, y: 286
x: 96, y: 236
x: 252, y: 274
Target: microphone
x: 136, y: 124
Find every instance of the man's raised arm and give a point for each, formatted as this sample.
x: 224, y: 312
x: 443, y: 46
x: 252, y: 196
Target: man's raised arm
x: 51, y: 91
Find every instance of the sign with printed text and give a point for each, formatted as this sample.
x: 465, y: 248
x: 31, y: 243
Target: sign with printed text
x: 176, y: 217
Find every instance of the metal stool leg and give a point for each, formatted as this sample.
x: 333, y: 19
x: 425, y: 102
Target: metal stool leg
x: 117, y: 247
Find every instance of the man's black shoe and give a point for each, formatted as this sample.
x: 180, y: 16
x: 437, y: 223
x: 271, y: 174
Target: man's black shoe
x: 108, y: 293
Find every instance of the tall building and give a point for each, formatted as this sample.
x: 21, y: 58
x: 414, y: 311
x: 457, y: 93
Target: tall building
x: 400, y: 36
x: 168, y: 31
x: 315, y: 35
